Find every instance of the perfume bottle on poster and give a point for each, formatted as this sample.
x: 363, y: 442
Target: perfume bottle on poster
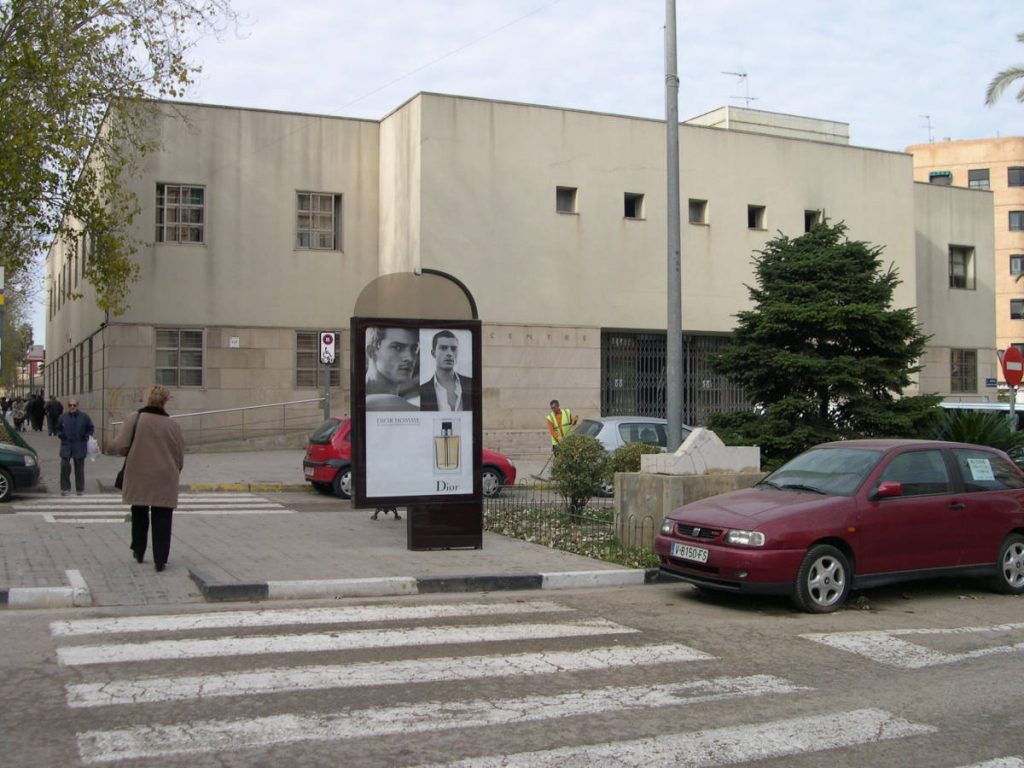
x: 446, y: 448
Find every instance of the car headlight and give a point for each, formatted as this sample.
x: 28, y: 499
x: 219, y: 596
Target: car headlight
x: 745, y: 538
x: 30, y: 461
x: 667, y: 526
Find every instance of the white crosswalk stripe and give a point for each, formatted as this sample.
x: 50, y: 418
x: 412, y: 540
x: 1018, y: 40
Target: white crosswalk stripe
x: 566, y: 658
x: 100, y: 508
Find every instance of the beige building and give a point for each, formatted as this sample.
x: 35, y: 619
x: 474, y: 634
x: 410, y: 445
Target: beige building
x: 265, y: 226
x: 996, y: 165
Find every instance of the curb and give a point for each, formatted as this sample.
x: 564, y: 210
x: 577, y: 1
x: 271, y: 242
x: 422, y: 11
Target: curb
x: 390, y: 586
x: 108, y: 487
x: 76, y: 595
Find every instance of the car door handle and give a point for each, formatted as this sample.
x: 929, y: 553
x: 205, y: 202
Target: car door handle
x: 957, y: 505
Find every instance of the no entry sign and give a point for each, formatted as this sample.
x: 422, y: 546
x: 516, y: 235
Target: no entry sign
x: 1013, y: 366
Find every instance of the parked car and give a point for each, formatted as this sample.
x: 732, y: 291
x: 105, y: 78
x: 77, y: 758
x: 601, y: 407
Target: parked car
x: 856, y: 514
x: 328, y: 462
x: 615, y: 431
x: 19, y: 470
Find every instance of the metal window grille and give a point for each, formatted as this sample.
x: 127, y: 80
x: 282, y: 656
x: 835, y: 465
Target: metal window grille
x: 963, y: 370
x: 633, y: 377
x: 180, y: 213
x: 317, y: 221
x: 179, y: 357
x: 308, y: 368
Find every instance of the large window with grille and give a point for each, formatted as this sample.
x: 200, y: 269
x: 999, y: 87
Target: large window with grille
x: 963, y: 370
x: 179, y: 357
x: 318, y: 217
x: 309, y: 371
x: 180, y: 213
x: 633, y: 377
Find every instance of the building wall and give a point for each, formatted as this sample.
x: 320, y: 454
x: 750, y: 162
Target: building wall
x: 997, y: 155
x: 947, y: 216
x: 468, y: 187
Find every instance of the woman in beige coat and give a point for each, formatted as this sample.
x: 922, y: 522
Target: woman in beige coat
x: 151, y: 472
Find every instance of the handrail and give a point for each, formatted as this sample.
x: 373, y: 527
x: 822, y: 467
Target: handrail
x: 234, y: 410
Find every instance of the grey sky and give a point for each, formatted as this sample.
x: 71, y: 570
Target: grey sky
x: 876, y: 64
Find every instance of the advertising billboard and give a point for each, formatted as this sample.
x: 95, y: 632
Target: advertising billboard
x: 416, y: 411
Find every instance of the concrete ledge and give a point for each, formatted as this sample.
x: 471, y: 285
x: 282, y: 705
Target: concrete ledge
x: 216, y: 592
x: 406, y: 585
x: 383, y: 587
x: 76, y: 595
x: 583, y: 579
x: 479, y: 583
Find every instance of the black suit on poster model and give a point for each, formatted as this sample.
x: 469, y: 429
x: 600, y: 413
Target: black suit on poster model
x: 456, y: 388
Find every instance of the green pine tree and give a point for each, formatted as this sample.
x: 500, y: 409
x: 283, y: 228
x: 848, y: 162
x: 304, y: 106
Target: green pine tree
x: 822, y: 354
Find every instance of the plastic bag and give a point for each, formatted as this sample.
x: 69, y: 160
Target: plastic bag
x: 92, y: 448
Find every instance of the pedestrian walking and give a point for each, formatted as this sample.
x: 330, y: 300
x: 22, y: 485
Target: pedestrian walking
x: 74, y: 428
x: 155, y: 451
x: 560, y: 423
x: 18, y: 413
x: 53, y: 411
x: 36, y: 411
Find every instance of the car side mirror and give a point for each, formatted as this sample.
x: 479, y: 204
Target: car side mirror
x: 888, y: 490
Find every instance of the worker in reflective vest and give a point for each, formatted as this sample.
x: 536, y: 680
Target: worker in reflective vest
x: 560, y: 423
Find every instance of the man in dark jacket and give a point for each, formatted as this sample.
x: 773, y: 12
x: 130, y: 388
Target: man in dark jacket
x: 74, y: 429
x: 53, y: 411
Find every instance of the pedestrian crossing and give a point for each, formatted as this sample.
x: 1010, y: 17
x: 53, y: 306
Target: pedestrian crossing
x: 189, y: 689
x: 108, y: 508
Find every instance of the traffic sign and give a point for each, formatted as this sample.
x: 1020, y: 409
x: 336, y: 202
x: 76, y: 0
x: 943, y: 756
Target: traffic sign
x: 1013, y: 366
x: 327, y: 339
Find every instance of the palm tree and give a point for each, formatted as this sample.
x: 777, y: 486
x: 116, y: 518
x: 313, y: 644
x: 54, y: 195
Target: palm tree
x: 1004, y: 79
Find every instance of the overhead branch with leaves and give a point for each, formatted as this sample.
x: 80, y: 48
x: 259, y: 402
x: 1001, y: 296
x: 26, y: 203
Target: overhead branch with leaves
x: 75, y: 77
x: 1004, y: 80
x: 823, y: 354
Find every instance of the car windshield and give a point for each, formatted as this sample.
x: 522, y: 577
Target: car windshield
x: 830, y: 471
x: 322, y: 434
x: 588, y: 427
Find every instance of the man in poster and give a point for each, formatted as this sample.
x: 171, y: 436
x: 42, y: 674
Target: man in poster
x: 392, y: 369
x: 447, y: 389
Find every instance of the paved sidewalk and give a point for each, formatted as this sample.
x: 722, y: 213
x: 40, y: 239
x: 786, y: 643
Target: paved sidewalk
x: 46, y: 561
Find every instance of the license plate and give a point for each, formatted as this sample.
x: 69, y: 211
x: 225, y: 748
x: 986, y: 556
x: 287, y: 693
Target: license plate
x: 308, y: 471
x: 686, y: 552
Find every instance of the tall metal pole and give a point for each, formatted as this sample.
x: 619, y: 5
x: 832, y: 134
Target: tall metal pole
x: 674, y: 315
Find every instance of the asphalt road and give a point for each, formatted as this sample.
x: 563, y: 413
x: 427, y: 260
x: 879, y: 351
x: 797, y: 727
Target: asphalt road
x: 654, y: 675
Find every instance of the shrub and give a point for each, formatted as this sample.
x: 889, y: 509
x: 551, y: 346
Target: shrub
x: 626, y: 458
x: 982, y: 428
x: 579, y: 467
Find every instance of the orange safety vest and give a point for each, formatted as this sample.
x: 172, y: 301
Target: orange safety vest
x: 561, y: 426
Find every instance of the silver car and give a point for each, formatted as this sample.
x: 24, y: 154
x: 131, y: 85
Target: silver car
x: 615, y: 431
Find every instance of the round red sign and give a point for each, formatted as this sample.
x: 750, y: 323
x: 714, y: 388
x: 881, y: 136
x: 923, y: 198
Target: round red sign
x: 1013, y: 366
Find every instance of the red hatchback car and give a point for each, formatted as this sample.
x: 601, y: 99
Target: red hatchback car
x: 856, y: 514
x: 328, y: 462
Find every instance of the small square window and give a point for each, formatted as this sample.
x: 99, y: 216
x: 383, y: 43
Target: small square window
x: 755, y: 217
x: 1016, y: 263
x: 977, y: 178
x: 318, y: 219
x: 565, y: 199
x: 698, y: 211
x: 811, y: 220
x: 633, y: 203
x: 1017, y: 221
x: 1017, y: 309
x: 961, y: 267
x: 1015, y: 177
x: 941, y: 178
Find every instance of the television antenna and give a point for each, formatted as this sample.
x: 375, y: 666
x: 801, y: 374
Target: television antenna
x: 928, y: 122
x: 742, y: 76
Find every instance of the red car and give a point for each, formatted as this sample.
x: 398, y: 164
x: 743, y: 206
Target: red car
x: 328, y: 462
x: 856, y: 514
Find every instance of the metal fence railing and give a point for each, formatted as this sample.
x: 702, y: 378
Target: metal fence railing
x: 292, y: 418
